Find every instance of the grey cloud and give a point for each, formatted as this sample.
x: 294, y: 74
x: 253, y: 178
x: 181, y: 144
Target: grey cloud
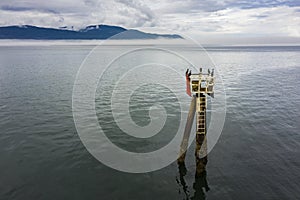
x: 15, y: 8
x: 260, y: 16
x: 90, y: 3
x: 143, y: 12
x: 197, y: 16
x: 54, y: 6
x: 119, y: 12
x: 21, y: 9
x: 263, y: 3
x: 191, y: 6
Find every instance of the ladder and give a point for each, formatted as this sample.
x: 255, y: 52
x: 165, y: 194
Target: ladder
x: 201, y: 114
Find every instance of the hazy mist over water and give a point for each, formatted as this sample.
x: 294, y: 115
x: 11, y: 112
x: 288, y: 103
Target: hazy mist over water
x: 42, y: 157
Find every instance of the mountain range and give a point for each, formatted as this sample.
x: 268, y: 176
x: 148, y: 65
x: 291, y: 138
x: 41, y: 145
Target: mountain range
x: 90, y: 32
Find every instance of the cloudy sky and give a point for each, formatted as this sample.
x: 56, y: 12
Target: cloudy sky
x: 208, y: 21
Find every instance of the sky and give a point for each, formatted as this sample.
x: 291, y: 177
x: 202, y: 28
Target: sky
x: 207, y: 21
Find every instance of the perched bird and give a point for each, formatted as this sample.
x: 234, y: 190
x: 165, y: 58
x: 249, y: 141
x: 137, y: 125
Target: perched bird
x: 187, y: 71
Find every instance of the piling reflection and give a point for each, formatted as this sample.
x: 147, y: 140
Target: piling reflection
x: 200, y: 185
x: 182, y: 172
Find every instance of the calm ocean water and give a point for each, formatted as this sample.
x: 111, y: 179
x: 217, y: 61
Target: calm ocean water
x: 256, y: 157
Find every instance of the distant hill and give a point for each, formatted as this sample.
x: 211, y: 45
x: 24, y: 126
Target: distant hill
x: 90, y: 32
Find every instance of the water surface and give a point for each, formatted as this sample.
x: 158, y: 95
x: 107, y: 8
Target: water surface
x: 256, y: 157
